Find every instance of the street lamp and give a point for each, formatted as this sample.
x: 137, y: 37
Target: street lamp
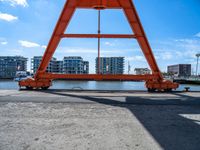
x: 197, y: 55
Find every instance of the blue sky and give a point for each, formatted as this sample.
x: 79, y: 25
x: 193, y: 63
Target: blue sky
x: 172, y: 27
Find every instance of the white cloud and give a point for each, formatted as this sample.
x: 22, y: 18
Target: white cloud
x: 137, y: 58
x: 109, y: 44
x: 68, y: 50
x: 178, y: 49
x: 166, y: 56
x: 28, y: 44
x: 187, y: 41
x: 175, y: 51
x: 188, y: 47
x: 198, y: 35
x: 4, y: 43
x: 156, y: 57
x: 16, y: 2
x: 7, y: 17
x: 16, y: 51
x: 44, y: 46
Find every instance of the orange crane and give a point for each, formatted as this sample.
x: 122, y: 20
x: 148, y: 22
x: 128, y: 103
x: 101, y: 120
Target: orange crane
x: 43, y: 79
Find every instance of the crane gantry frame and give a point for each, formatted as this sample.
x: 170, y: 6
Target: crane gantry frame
x: 43, y: 79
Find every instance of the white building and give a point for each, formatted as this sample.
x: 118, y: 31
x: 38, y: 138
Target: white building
x: 142, y: 71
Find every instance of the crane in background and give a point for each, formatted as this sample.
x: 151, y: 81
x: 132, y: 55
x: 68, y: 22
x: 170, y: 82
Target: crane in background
x: 43, y: 79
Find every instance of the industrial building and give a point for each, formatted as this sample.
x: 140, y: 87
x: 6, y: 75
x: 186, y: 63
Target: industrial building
x: 9, y: 65
x: 181, y: 70
x: 110, y: 65
x: 142, y: 71
x: 75, y: 65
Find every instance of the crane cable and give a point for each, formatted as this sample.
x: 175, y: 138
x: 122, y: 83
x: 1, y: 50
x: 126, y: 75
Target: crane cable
x: 99, y: 40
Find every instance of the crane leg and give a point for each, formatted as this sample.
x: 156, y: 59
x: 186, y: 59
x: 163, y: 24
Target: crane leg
x: 31, y: 83
x: 163, y: 85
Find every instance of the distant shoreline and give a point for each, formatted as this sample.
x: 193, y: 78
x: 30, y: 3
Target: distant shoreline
x: 6, y: 79
x: 186, y: 82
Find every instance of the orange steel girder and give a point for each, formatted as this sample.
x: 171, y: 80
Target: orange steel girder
x: 130, y: 12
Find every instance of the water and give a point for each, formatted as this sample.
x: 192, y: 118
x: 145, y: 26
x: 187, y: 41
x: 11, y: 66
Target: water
x: 93, y: 85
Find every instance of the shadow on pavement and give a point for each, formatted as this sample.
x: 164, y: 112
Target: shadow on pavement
x: 167, y: 125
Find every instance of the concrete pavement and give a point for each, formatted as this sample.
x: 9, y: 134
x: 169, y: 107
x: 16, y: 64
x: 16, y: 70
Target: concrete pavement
x: 59, y: 119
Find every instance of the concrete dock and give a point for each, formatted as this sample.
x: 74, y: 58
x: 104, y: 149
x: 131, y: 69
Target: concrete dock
x: 100, y: 120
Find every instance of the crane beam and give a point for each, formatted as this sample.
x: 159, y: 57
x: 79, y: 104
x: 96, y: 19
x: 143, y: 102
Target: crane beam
x: 125, y: 36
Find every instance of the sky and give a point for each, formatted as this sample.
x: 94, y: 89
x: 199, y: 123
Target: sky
x: 172, y: 28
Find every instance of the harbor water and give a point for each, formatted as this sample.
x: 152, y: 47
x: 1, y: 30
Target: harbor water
x: 94, y: 85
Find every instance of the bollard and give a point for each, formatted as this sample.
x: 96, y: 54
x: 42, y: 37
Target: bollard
x: 187, y: 89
